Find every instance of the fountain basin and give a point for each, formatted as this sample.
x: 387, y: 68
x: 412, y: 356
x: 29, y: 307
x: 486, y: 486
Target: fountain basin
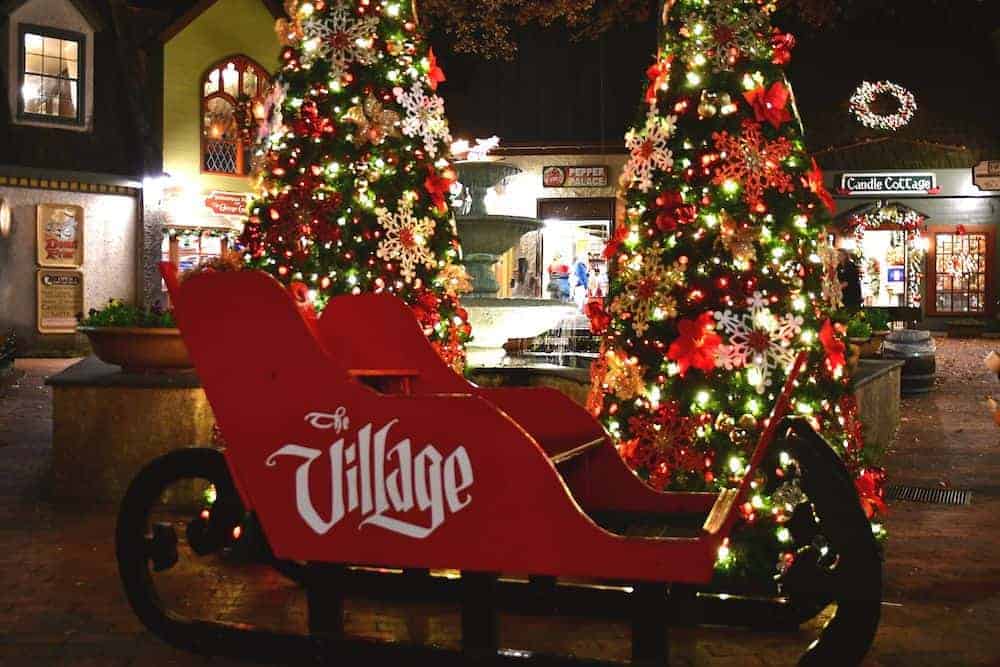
x: 494, y: 321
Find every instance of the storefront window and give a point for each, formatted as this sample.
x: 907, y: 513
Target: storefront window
x: 961, y: 272
x: 229, y: 91
x: 51, y: 74
x: 573, y: 267
x: 890, y: 247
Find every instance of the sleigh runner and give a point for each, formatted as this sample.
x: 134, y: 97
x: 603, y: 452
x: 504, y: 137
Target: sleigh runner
x: 350, y: 443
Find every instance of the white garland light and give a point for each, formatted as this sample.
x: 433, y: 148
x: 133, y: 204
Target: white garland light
x: 861, y: 105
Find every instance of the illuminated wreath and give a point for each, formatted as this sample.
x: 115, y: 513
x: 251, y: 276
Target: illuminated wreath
x: 861, y: 103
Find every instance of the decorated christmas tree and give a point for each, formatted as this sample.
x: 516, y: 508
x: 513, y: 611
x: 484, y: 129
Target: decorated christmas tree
x: 352, y: 167
x: 721, y: 276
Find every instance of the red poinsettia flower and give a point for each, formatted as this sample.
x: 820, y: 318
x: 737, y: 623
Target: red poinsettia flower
x: 770, y: 104
x: 696, y: 345
x: 438, y: 185
x: 814, y: 181
x: 598, y: 316
x: 658, y: 74
x: 435, y: 72
x: 833, y: 346
x: 870, y: 485
x: 782, y: 43
x: 673, y: 212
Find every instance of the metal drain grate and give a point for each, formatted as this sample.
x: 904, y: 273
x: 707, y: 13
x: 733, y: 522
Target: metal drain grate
x: 936, y: 496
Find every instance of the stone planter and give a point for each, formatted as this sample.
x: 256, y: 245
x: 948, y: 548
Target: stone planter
x: 871, y: 348
x: 138, y: 349
x: 854, y: 346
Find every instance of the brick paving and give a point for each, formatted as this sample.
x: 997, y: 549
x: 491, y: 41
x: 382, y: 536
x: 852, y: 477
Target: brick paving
x: 61, y: 603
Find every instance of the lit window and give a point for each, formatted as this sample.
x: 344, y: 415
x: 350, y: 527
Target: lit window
x: 961, y: 268
x: 228, y: 91
x: 51, y: 75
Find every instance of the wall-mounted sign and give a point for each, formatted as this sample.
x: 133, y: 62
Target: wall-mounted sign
x: 227, y: 203
x: 986, y: 175
x: 60, y: 235
x: 596, y: 176
x: 861, y: 185
x: 60, y: 300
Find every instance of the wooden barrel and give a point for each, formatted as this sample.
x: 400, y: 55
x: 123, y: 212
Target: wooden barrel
x: 916, y: 349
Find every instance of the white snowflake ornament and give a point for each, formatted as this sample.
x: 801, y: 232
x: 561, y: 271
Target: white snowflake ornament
x: 648, y: 150
x: 424, y: 117
x: 758, y: 341
x: 406, y: 238
x: 341, y: 36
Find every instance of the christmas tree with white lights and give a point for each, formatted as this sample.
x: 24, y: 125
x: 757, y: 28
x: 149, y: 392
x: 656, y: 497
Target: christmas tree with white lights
x: 352, y: 168
x: 721, y: 276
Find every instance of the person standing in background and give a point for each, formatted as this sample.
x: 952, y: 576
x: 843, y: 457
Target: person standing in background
x: 849, y: 276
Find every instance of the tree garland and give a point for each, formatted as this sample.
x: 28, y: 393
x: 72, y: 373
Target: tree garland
x: 865, y: 95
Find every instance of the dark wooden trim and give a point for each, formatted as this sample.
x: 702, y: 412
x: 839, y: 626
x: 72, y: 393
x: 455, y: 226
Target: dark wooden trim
x: 188, y: 17
x: 545, y: 203
x: 529, y: 148
x: 931, y: 270
x: 81, y: 75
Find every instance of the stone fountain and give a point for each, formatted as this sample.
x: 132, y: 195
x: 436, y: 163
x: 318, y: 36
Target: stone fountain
x: 486, y: 237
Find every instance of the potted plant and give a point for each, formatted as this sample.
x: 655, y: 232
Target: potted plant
x: 879, y: 321
x: 140, y: 340
x: 859, y: 333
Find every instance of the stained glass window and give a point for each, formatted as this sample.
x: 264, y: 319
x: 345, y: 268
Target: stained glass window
x: 228, y: 91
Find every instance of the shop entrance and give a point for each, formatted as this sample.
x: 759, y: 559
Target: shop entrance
x: 571, y: 260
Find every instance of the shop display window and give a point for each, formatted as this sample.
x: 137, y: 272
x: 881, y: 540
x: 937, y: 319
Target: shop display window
x: 962, y: 271
x: 51, y: 75
x: 187, y: 248
x: 229, y: 92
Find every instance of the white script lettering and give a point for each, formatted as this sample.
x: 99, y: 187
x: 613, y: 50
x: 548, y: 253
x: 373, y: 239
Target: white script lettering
x: 426, y: 481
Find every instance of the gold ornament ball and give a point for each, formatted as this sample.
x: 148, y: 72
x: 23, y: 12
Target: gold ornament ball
x: 740, y: 437
x: 748, y: 421
x: 724, y: 423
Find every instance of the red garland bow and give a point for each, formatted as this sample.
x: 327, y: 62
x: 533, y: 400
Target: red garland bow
x: 438, y: 185
x: 833, y: 346
x: 658, y: 74
x: 770, y: 105
x: 696, y: 345
x: 599, y: 318
x: 814, y: 181
x: 435, y: 72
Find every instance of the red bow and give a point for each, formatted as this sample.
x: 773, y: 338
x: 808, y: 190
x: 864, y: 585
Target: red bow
x: 814, y: 181
x: 658, y: 74
x: 599, y: 318
x: 673, y: 212
x: 438, y: 185
x: 435, y: 73
x: 782, y: 43
x: 770, y: 105
x: 833, y: 346
x: 869, y: 485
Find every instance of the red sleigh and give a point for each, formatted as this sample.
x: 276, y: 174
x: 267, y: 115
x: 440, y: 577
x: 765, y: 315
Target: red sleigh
x: 351, y: 445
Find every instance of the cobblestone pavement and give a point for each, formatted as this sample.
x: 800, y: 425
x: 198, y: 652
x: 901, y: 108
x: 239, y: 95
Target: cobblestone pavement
x: 61, y: 603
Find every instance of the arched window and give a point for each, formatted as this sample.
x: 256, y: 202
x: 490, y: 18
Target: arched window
x: 228, y: 92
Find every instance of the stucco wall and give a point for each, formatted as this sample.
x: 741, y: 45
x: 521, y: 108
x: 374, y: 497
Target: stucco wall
x: 109, y: 267
x: 227, y: 28
x: 59, y: 14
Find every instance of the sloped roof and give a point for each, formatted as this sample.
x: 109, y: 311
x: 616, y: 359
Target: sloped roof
x: 200, y: 7
x: 93, y: 17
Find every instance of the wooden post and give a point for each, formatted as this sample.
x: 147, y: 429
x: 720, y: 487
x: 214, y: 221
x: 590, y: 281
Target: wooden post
x: 480, y: 636
x: 325, y: 599
x: 650, y: 612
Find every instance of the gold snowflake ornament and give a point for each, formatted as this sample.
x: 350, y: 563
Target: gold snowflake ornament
x: 374, y: 122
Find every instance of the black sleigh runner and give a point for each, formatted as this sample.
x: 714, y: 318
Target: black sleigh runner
x: 362, y: 465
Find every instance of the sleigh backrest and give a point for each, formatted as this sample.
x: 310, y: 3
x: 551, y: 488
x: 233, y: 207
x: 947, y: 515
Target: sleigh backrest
x: 373, y: 333
x: 247, y: 339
